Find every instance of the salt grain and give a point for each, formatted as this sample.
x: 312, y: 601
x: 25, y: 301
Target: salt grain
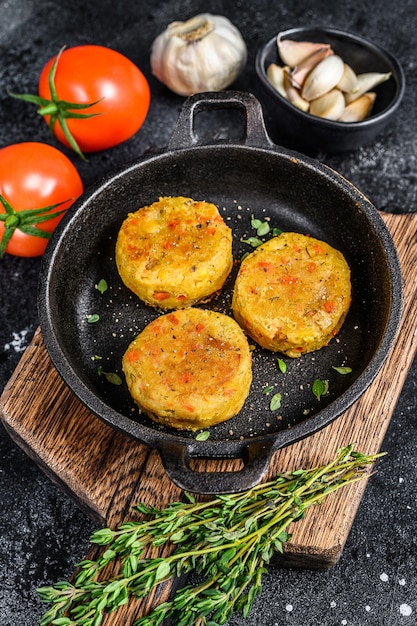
x: 19, y: 341
x: 405, y: 609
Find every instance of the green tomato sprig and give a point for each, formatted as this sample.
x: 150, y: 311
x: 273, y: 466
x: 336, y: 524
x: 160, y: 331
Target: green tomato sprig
x: 26, y: 221
x: 59, y: 110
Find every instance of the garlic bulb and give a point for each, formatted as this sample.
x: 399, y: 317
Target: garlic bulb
x: 205, y: 53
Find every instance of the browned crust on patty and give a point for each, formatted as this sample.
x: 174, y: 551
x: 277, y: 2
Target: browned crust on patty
x: 175, y: 252
x: 292, y: 294
x: 189, y: 369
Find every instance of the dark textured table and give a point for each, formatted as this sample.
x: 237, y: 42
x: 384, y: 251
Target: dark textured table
x: 42, y: 533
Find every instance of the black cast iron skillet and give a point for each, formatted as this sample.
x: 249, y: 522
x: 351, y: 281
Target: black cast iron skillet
x: 245, y: 177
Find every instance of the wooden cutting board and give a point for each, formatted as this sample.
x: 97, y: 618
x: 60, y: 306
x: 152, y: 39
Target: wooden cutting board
x: 104, y: 472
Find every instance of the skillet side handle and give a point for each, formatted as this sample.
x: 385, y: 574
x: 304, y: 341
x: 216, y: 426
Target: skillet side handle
x: 176, y: 461
x: 256, y: 135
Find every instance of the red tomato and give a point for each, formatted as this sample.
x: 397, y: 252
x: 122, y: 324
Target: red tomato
x: 86, y: 74
x: 33, y: 176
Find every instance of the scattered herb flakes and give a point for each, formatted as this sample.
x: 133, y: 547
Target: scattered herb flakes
x: 342, y: 370
x: 267, y: 390
x: 275, y: 402
x: 282, y: 366
x: 101, y: 286
x: 320, y: 388
x: 203, y: 436
x: 277, y: 231
x: 255, y: 223
x: 111, y: 377
x: 252, y: 241
x: 262, y: 228
x: 96, y: 357
x: 93, y: 318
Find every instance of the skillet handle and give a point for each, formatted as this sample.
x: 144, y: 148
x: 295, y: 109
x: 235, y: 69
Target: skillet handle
x: 256, y: 135
x: 176, y: 460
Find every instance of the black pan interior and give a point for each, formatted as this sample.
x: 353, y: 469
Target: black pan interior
x: 296, y: 195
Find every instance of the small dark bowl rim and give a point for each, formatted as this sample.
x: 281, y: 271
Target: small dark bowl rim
x: 373, y: 119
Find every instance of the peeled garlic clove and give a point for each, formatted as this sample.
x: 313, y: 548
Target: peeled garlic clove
x: 359, y: 109
x: 275, y: 74
x: 366, y: 82
x: 292, y: 52
x: 323, y: 77
x: 330, y: 106
x: 301, y: 71
x: 349, y: 82
x: 294, y: 96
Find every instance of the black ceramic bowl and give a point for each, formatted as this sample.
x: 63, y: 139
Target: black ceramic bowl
x: 314, y: 134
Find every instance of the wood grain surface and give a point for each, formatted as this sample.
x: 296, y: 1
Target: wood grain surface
x: 104, y: 472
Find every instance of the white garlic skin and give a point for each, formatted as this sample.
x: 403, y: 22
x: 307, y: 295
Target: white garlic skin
x: 205, y: 53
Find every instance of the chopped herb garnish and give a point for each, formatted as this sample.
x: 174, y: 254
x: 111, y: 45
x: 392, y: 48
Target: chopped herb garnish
x: 267, y: 390
x: 102, y: 286
x: 262, y: 228
x: 253, y: 241
x: 282, y: 366
x: 342, y: 370
x: 320, y: 388
x: 203, y: 436
x: 275, y: 402
x: 93, y: 318
x: 111, y: 377
x: 255, y: 223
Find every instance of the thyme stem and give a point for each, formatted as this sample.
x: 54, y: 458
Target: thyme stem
x: 229, y: 540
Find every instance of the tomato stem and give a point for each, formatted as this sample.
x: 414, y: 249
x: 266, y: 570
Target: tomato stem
x: 59, y: 110
x: 50, y: 109
x: 26, y: 221
x: 11, y: 221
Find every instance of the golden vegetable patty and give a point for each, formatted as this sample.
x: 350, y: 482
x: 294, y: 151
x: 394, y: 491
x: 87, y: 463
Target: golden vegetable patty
x: 189, y: 369
x: 174, y: 252
x: 292, y: 294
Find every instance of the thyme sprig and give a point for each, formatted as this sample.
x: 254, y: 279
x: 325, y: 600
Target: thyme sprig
x: 228, y: 540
